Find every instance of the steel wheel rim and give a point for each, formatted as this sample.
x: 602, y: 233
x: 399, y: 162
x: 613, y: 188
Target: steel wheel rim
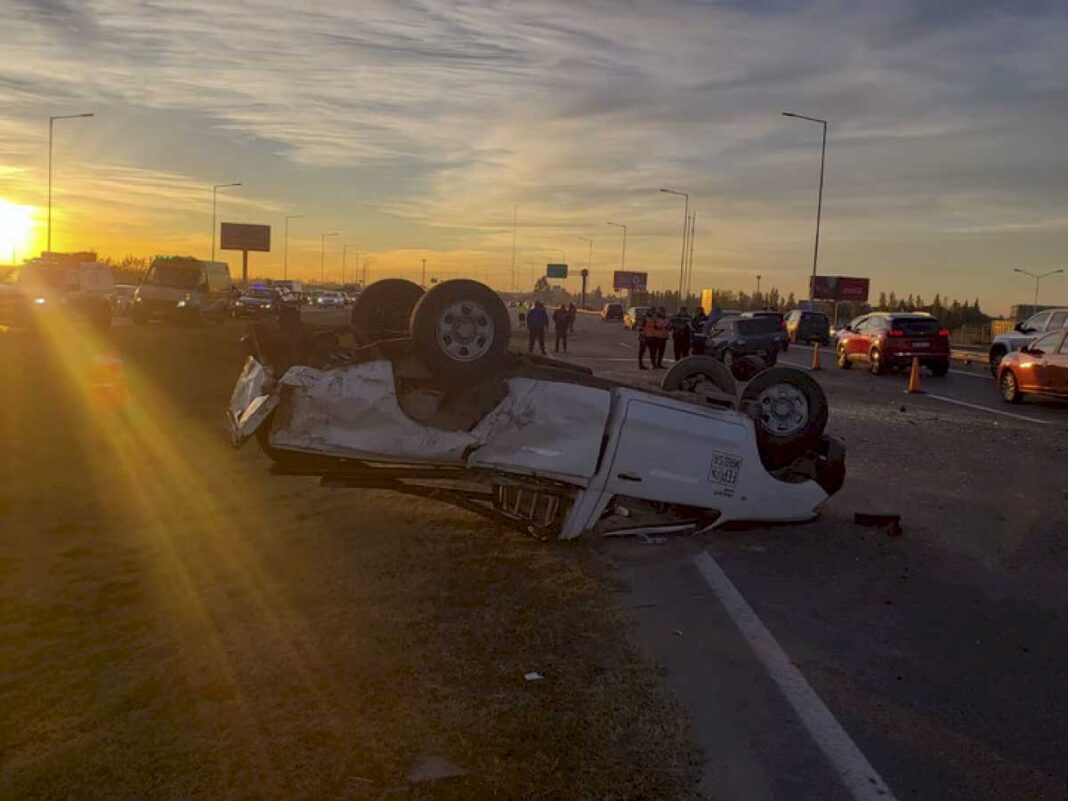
x: 465, y: 331
x: 1008, y: 386
x: 784, y: 410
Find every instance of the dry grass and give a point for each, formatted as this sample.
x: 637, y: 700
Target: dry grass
x: 175, y: 623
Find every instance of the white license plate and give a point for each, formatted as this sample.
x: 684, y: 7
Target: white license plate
x: 921, y: 344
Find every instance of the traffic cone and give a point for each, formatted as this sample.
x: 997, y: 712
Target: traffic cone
x: 914, y: 376
x: 107, y: 382
x: 816, y: 357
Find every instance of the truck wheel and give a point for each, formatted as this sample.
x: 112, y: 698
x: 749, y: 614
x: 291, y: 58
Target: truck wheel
x: 689, y: 374
x: 461, y: 329
x: 790, y: 409
x: 382, y: 311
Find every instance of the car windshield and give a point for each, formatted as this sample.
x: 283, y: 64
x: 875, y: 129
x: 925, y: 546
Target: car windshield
x: 174, y: 276
x: 263, y: 294
x: 916, y: 326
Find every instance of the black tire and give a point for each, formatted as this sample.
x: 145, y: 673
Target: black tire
x: 940, y: 369
x: 875, y: 362
x: 997, y: 353
x: 842, y: 360
x: 461, y: 329
x: 384, y: 310
x: 1009, y: 386
x: 789, y: 419
x: 687, y: 374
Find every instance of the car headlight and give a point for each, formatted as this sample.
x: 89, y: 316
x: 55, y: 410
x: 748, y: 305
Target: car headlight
x: 39, y: 301
x: 181, y: 304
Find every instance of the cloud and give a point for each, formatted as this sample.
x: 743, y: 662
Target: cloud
x: 946, y: 118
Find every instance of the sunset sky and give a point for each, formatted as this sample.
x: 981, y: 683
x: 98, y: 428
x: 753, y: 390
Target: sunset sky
x: 415, y: 128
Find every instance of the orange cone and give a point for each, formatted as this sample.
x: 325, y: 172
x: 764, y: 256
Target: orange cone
x: 914, y: 376
x: 107, y: 382
x: 816, y: 357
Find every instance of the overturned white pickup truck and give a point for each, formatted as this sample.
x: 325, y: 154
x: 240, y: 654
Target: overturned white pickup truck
x: 431, y: 403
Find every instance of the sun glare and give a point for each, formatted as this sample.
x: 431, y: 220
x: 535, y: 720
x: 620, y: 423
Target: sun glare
x: 16, y: 230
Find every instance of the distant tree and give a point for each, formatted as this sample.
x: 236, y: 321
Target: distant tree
x: 790, y: 301
x: 910, y: 304
x: 891, y: 303
x: 882, y: 300
x: 541, y: 286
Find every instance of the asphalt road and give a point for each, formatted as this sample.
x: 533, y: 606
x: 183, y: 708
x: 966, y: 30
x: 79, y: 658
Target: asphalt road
x: 939, y: 655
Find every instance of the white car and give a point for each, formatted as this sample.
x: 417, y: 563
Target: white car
x: 330, y: 300
x: 542, y: 446
x: 1025, y: 333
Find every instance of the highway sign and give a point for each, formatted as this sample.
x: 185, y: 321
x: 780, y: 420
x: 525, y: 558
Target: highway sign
x: 630, y: 281
x: 556, y: 271
x: 244, y: 236
x: 838, y: 287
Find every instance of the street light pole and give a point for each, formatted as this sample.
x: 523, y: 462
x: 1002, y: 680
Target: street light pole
x: 322, y: 256
x: 214, y: 191
x: 623, y: 260
x: 423, y: 282
x: 344, y: 254
x: 1037, y: 279
x: 819, y: 197
x: 51, y: 126
x: 685, y: 226
x: 589, y: 255
x: 285, y: 245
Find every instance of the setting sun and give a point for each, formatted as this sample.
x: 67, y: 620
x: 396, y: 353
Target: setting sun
x: 16, y: 230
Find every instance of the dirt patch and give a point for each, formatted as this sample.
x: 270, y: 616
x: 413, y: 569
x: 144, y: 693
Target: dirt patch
x: 174, y: 622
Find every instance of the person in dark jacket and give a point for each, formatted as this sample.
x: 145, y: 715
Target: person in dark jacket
x: 572, y: 313
x: 561, y: 324
x: 537, y: 322
x: 697, y: 335
x: 680, y: 333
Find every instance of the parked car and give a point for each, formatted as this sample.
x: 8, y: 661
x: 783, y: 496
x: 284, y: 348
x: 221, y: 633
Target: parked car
x: 124, y: 295
x: 447, y: 412
x: 1040, y: 368
x: 732, y: 339
x: 257, y: 301
x: 1025, y: 333
x: 329, y: 300
x: 181, y: 288
x: 808, y: 326
x: 612, y: 311
x: 780, y: 321
x: 885, y: 340
x: 58, y: 285
x: 633, y: 316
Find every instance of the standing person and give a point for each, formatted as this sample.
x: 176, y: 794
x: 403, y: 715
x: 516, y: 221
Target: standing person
x: 646, y: 338
x: 661, y: 332
x: 572, y: 312
x: 680, y: 333
x: 697, y: 336
x: 561, y: 323
x: 521, y: 311
x: 537, y: 322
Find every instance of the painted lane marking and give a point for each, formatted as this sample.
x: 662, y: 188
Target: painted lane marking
x: 853, y: 769
x: 988, y: 409
x: 972, y: 375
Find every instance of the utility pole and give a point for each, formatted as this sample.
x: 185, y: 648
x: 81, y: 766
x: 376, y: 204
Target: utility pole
x: 819, y: 200
x: 285, y: 245
x: 51, y: 126
x: 685, y: 225
x: 322, y: 256
x: 623, y: 258
x: 423, y: 284
x: 689, y: 270
x: 214, y: 192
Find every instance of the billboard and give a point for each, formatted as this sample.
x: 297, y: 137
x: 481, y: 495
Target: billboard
x: 244, y: 236
x: 556, y: 271
x: 630, y: 281
x: 838, y: 287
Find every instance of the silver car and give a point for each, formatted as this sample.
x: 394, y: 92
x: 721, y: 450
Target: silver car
x: 1025, y: 333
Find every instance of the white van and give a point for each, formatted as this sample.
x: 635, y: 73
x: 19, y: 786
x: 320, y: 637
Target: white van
x: 183, y: 288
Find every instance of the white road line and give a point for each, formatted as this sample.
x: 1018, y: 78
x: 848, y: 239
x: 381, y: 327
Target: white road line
x: 852, y: 767
x: 972, y: 375
x: 988, y: 409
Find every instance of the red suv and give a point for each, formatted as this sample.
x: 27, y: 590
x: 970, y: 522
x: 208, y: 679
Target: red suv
x: 886, y: 340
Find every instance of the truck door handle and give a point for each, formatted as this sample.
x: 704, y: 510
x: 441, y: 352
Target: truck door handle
x: 628, y: 477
